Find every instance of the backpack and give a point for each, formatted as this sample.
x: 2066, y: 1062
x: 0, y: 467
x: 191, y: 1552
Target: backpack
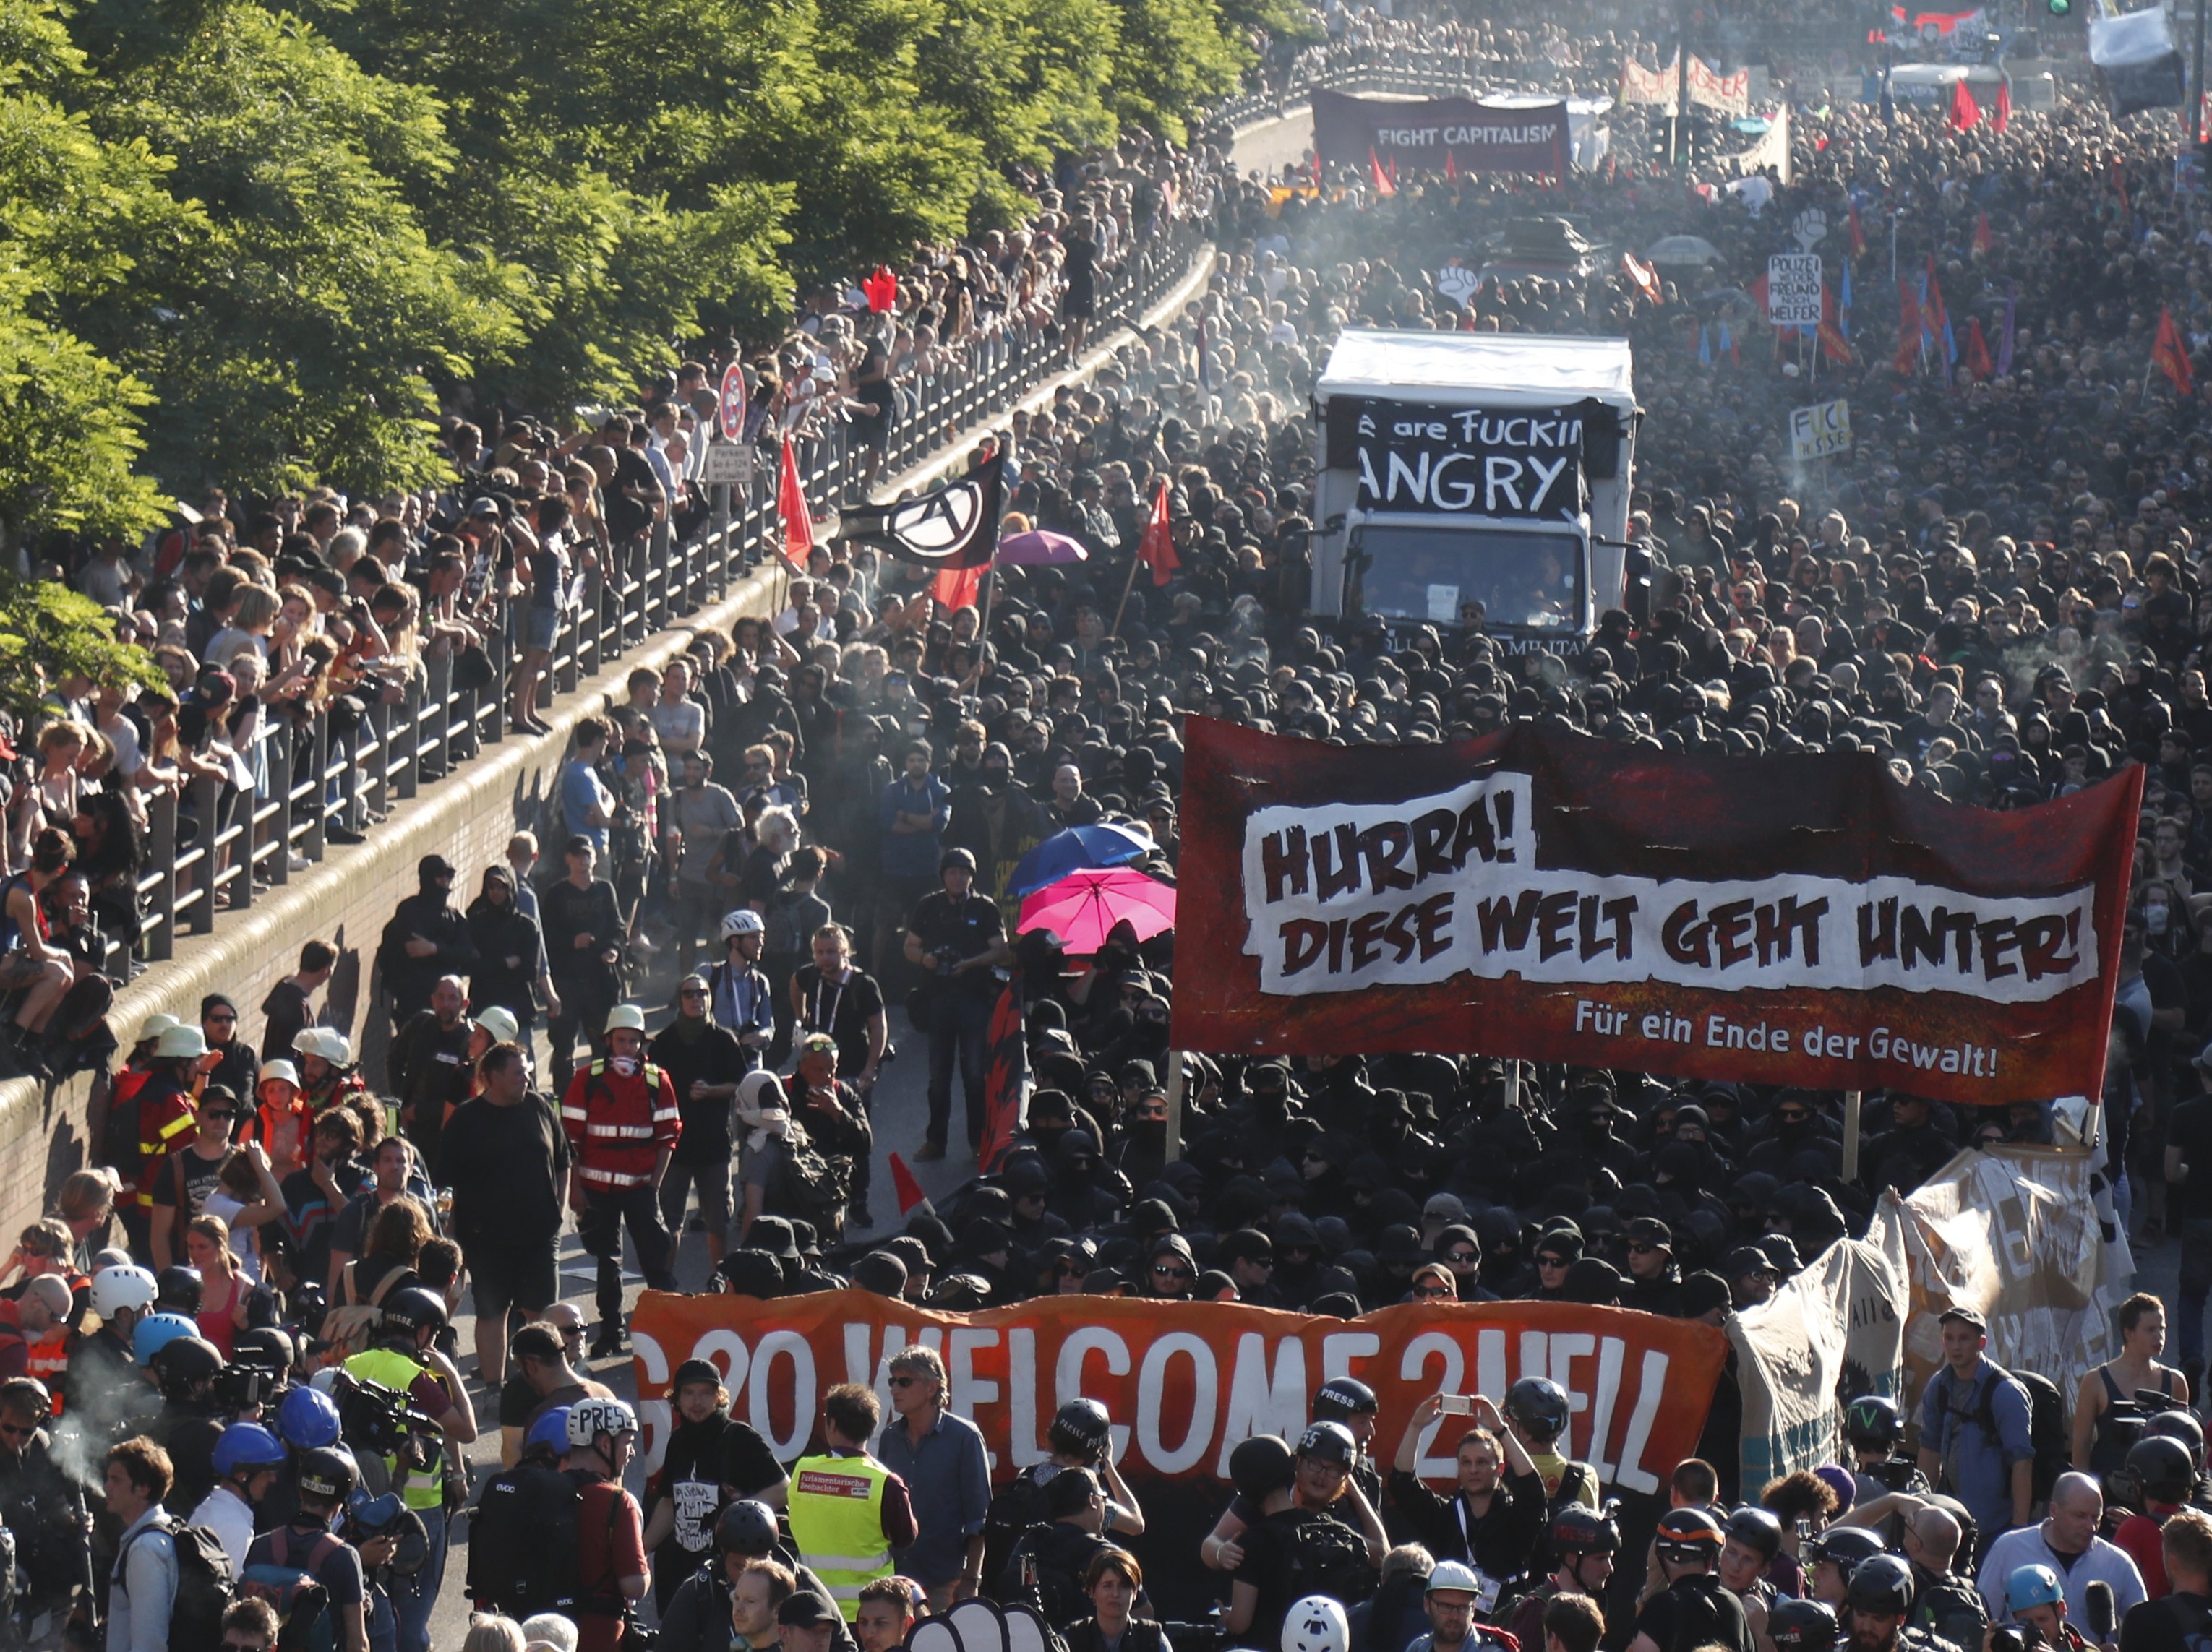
x: 349, y: 1326
x: 1010, y: 1516
x: 203, y: 1585
x: 1331, y: 1559
x: 525, y: 1522
x: 813, y: 1184
x: 294, y: 1593
x: 1057, y: 1595
x: 2046, y: 1425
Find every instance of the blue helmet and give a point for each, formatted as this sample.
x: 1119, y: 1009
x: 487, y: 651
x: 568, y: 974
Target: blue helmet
x: 549, y: 1432
x: 309, y: 1419
x: 247, y: 1445
x: 156, y: 1331
x: 2028, y: 1586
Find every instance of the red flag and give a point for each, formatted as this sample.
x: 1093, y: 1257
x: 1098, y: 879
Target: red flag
x: 797, y: 538
x: 908, y: 1190
x: 2120, y: 183
x: 1757, y: 291
x: 1984, y: 238
x: 1005, y: 1079
x: 1833, y: 343
x: 881, y: 290
x: 1394, y: 172
x: 1908, y: 327
x: 1157, y: 548
x: 1383, y: 185
x: 1977, y: 353
x: 1451, y: 168
x: 2002, y: 117
x: 2170, y: 355
x: 1858, y: 235
x: 1965, y: 113
x: 955, y: 588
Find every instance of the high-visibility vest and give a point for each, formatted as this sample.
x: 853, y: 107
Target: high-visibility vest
x: 48, y: 1361
x: 837, y: 1509
x: 418, y: 1488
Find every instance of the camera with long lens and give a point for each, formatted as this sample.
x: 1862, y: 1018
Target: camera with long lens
x: 237, y: 1388
x: 378, y: 1419
x: 1894, y: 1474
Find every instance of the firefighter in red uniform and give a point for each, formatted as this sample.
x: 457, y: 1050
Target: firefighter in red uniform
x: 621, y: 1117
x: 164, y: 1121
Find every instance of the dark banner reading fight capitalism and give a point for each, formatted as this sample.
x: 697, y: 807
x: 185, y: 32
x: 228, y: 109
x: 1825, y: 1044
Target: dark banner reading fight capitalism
x: 1541, y: 894
x: 1185, y: 1382
x: 1479, y: 138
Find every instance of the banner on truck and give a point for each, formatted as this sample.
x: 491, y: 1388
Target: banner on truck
x: 1478, y: 137
x: 2012, y: 1232
x: 1185, y: 1382
x: 1517, y: 462
x: 1541, y: 894
x: 1834, y: 1332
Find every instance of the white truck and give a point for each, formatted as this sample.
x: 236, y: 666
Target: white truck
x: 1474, y: 479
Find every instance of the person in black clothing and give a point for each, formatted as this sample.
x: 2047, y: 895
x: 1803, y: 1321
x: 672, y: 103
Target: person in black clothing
x: 307, y: 1543
x: 425, y: 939
x: 286, y: 1012
x: 704, y: 1062
x: 506, y: 1157
x: 1693, y: 1610
x: 237, y: 1070
x: 1299, y: 1546
x: 510, y: 951
x: 834, y: 994
x: 428, y: 1065
x: 1494, y: 1517
x: 683, y: 1496
x: 1060, y: 1551
x: 583, y: 930
x: 1113, y: 1584
x: 960, y: 937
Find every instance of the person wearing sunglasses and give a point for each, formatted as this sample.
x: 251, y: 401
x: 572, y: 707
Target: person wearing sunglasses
x: 1653, y: 1281
x: 1171, y: 1268
x: 1559, y: 1248
x: 45, y: 1509
x: 181, y: 1190
x: 941, y: 1458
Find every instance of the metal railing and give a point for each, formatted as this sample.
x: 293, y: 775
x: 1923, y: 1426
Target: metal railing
x: 321, y: 775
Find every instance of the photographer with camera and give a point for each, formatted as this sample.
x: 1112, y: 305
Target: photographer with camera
x: 247, y: 1459
x: 611, y: 1571
x: 304, y: 1549
x: 960, y: 938
x: 1874, y: 1426
x: 436, y: 1408
x: 192, y: 1416
x: 45, y: 1511
x: 2037, y: 1603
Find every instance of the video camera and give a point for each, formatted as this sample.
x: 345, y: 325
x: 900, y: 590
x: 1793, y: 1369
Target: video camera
x: 237, y: 1389
x: 378, y: 1420
x: 1892, y: 1473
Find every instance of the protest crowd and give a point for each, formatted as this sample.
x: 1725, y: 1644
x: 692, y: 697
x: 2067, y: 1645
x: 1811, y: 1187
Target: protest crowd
x: 234, y: 1407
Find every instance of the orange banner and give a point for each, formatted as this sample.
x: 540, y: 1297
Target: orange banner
x: 1185, y: 1382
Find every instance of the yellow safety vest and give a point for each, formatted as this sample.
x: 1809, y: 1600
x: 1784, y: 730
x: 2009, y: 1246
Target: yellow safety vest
x: 836, y: 1508
x: 418, y: 1488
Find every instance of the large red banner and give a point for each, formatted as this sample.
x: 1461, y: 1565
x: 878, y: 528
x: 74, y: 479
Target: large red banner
x: 1185, y: 1382
x: 1541, y: 894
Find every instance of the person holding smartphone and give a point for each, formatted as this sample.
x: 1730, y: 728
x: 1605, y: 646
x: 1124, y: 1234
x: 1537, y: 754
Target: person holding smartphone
x: 1494, y: 1514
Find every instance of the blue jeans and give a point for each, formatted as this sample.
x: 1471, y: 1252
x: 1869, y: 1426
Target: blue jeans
x: 959, y: 1026
x: 383, y: 1624
x: 414, y: 1596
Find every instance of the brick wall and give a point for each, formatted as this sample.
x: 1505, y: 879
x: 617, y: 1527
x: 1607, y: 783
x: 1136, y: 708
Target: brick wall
x: 47, y: 1131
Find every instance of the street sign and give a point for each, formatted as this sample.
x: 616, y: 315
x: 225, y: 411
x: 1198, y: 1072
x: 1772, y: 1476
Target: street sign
x: 731, y: 414
x: 1822, y: 430
x: 727, y: 461
x: 1792, y: 290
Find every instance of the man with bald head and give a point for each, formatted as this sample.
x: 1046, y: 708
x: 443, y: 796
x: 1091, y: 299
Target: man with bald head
x: 2066, y: 1541
x: 1943, y: 1603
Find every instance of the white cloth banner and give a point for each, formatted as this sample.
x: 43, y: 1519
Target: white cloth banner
x: 1728, y: 94
x: 1642, y: 85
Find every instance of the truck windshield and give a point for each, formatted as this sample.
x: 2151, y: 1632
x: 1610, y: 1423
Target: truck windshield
x: 1441, y: 575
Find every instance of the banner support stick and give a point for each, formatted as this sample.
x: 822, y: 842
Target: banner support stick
x: 1136, y: 561
x: 1851, y: 1098
x: 1176, y: 1077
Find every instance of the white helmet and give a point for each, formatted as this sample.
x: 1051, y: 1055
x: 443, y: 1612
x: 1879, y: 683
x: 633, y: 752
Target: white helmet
x: 625, y: 1017
x: 590, y: 1417
x: 1316, y: 1624
x: 744, y: 921
x: 180, y: 1044
x: 115, y: 1289
x: 499, y: 1022
x: 279, y: 1069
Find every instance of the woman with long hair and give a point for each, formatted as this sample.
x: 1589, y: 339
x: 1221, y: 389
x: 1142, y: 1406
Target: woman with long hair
x: 223, y: 1285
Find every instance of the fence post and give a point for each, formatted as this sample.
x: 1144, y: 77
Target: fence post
x: 162, y: 852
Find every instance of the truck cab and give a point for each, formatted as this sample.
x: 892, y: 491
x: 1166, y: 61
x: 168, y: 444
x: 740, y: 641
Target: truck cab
x: 1469, y: 479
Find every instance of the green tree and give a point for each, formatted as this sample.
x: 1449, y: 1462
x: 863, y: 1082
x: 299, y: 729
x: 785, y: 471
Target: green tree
x: 49, y: 632
x: 1176, y: 60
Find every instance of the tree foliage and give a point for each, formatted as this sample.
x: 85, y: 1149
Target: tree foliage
x: 49, y: 633
x: 245, y: 244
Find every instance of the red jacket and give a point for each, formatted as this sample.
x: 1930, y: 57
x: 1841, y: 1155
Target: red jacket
x: 620, y: 1126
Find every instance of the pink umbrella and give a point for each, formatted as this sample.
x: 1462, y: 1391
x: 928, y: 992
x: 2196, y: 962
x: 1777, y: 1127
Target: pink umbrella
x: 1038, y: 549
x: 1085, y: 905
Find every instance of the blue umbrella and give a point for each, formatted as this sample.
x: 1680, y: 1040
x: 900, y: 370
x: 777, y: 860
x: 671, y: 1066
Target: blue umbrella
x: 1079, y: 848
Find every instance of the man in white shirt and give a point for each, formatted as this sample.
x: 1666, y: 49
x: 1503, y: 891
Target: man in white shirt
x: 2066, y: 1541
x: 143, y: 1588
x: 246, y: 1461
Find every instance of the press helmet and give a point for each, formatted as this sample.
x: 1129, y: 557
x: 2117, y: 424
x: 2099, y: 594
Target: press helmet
x: 1538, y: 1407
x: 1329, y: 1442
x: 1798, y: 1625
x: 1873, y: 1422
x: 1578, y: 1529
x: 1342, y: 1397
x: 1881, y: 1584
x: 1688, y: 1535
x: 1081, y: 1427
x: 2162, y: 1467
x: 327, y: 1472
x: 590, y: 1417
x: 414, y: 1309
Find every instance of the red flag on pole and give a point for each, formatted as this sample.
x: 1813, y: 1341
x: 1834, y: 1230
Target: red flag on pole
x: 955, y: 588
x: 1383, y: 185
x: 1451, y: 168
x: 1005, y: 1079
x: 1984, y: 238
x: 881, y: 290
x: 2170, y: 355
x: 2001, y: 116
x: 798, y: 537
x: 1908, y: 327
x: 1965, y: 113
x: 1977, y: 353
x: 1833, y: 343
x: 1157, y: 548
x: 909, y: 1189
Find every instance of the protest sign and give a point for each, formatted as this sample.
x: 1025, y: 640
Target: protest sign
x: 1792, y: 290
x: 1479, y: 137
x: 1730, y: 94
x: 1799, y: 919
x: 1820, y: 430
x: 2011, y: 1232
x: 1650, y: 86
x: 1185, y: 1382
x: 1836, y: 1329
x: 1517, y: 462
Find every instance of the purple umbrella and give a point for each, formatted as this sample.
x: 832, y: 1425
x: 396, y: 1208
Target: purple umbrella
x: 1038, y: 549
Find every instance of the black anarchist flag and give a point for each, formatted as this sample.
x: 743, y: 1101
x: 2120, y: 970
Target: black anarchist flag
x: 955, y: 526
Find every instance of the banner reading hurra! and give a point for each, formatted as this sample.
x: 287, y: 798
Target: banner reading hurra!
x: 1186, y: 1381
x: 2012, y: 1232
x: 1837, y: 1329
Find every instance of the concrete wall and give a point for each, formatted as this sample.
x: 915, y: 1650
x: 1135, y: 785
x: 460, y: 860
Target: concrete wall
x: 48, y: 1132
